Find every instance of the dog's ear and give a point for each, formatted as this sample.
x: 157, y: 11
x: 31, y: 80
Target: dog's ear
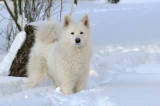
x: 67, y: 20
x: 85, y: 20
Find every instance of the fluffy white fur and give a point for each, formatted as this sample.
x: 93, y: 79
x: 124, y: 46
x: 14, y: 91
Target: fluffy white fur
x: 57, y: 54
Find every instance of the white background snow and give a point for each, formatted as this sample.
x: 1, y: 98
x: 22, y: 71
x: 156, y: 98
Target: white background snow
x: 125, y: 68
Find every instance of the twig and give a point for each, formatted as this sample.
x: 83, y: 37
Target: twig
x: 20, y: 6
x: 13, y: 17
x: 5, y: 17
x: 58, y: 12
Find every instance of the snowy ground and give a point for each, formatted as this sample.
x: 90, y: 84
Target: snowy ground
x: 125, y: 69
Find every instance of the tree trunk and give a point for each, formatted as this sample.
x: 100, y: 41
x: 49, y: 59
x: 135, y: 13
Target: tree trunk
x: 18, y: 68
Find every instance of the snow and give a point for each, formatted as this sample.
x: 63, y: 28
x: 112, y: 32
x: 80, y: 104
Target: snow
x: 125, y: 68
x: 138, y: 1
x: 6, y: 63
x: 73, y: 9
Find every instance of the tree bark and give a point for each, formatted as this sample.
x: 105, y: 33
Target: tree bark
x: 18, y: 68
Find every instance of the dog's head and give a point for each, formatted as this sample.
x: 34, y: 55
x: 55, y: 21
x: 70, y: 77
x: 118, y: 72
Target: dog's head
x: 76, y: 34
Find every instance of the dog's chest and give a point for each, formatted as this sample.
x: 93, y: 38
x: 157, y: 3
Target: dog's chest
x: 75, y: 61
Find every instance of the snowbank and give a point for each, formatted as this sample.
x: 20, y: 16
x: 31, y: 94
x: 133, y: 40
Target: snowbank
x: 8, y: 59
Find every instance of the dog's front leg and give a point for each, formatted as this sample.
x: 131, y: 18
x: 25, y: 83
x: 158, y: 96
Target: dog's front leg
x: 67, y: 86
x: 81, y: 84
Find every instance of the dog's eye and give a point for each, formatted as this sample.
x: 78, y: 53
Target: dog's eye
x: 81, y: 32
x: 72, y: 33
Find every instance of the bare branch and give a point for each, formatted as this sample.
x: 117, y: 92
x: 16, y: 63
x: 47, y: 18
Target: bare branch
x: 13, y: 17
x: 15, y: 10
x: 20, y: 6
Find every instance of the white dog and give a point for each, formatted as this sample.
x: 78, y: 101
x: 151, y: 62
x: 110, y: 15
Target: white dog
x: 62, y: 53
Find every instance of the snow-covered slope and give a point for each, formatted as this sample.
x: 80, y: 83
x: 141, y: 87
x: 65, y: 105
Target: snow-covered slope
x: 119, y: 76
x: 125, y: 69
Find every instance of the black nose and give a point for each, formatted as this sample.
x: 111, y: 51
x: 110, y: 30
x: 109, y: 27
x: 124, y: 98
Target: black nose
x: 78, y: 40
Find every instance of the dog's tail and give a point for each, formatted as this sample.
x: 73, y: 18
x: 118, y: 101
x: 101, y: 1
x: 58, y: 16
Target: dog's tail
x: 47, y: 31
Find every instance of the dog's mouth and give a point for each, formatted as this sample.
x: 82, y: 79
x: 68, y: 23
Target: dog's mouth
x: 78, y: 44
